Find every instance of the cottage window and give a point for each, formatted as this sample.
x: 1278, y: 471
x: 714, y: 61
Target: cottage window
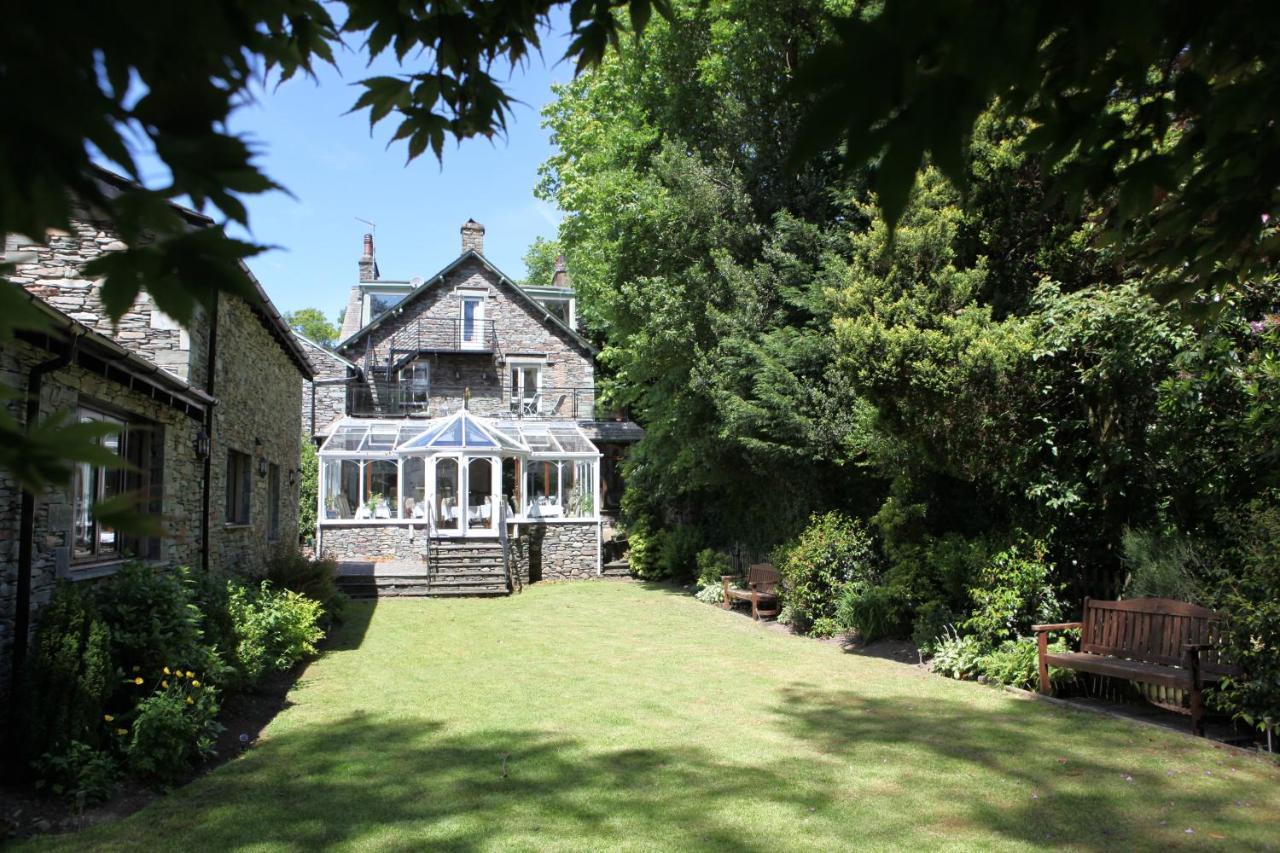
x: 273, y: 502
x: 526, y: 388
x: 415, y: 384
x: 239, y: 487
x: 471, y: 322
x: 95, y: 484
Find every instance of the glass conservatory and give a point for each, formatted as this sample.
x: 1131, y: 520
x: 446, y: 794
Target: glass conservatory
x: 452, y: 474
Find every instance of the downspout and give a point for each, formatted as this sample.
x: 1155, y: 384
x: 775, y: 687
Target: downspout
x: 27, y: 522
x: 206, y: 497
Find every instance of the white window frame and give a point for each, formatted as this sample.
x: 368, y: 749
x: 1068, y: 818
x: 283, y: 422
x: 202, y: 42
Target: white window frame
x: 519, y: 393
x: 478, y: 335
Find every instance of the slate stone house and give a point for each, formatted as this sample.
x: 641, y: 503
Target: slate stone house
x: 458, y: 409
x: 208, y: 417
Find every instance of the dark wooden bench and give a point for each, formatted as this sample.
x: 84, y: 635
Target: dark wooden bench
x: 762, y: 588
x: 1149, y: 640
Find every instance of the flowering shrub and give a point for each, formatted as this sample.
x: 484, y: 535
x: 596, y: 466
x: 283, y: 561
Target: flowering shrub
x: 171, y: 729
x: 711, y: 593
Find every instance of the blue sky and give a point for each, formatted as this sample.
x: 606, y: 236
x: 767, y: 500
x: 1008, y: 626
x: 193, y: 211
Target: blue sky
x: 338, y: 172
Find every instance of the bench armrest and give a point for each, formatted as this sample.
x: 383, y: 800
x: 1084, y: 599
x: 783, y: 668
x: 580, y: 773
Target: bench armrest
x: 1057, y: 626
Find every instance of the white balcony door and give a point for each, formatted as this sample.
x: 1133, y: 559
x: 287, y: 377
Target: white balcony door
x: 526, y: 385
x: 471, y: 323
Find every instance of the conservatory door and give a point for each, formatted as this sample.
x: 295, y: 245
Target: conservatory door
x: 482, y: 495
x: 446, y: 494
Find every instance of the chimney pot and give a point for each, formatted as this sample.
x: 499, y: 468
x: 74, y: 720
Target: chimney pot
x: 472, y: 237
x: 368, y: 266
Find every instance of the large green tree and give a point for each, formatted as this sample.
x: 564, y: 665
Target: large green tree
x: 312, y: 323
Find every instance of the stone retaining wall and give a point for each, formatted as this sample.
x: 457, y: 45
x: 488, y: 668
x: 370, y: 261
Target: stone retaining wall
x: 372, y: 541
x: 560, y: 551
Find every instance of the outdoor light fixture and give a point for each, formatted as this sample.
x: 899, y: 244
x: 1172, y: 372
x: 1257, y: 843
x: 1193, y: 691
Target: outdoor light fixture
x: 293, y: 477
x: 201, y: 444
x: 262, y: 457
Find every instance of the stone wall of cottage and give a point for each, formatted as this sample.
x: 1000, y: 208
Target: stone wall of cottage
x: 326, y: 397
x: 179, y: 485
x: 430, y: 321
x: 259, y: 396
x: 559, y: 550
x: 55, y: 276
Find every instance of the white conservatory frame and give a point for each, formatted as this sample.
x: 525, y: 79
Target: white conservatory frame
x: 358, y: 452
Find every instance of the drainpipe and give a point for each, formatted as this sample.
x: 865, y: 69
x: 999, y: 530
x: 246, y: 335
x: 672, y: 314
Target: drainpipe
x: 27, y: 523
x: 206, y: 496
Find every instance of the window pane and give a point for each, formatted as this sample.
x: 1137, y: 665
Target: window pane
x: 380, y: 481
x: 543, y: 489
x: 579, y: 488
x: 413, y: 472
x: 480, y: 493
x: 446, y: 494
x: 86, y: 478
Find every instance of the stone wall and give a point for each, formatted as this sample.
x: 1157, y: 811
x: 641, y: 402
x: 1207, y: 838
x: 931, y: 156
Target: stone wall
x: 326, y: 396
x: 55, y: 276
x: 519, y: 331
x: 179, y: 485
x: 560, y: 550
x: 372, y: 541
x: 259, y: 392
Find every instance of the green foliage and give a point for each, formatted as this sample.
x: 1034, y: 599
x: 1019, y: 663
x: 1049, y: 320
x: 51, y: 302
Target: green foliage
x: 312, y: 323
x: 930, y: 625
x: 1150, y: 107
x: 275, y: 629
x: 1251, y: 635
x: 155, y: 620
x: 957, y: 656
x: 678, y: 552
x: 875, y: 610
x: 540, y: 262
x: 1017, y: 664
x: 172, y: 729
x: 1160, y: 565
x: 712, y: 566
x: 833, y: 552
x: 711, y: 593
x: 1013, y: 593
x: 315, y: 579
x: 68, y: 678
x: 79, y: 772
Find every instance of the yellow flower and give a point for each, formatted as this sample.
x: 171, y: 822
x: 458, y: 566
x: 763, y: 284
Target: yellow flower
x: 138, y: 680
x: 190, y: 701
x: 190, y: 674
x: 108, y: 717
x: 122, y: 731
x: 166, y: 670
x: 195, y: 683
x: 164, y: 684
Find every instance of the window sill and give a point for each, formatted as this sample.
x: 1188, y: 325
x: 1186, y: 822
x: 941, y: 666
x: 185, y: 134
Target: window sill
x: 94, y: 570
x: 237, y: 525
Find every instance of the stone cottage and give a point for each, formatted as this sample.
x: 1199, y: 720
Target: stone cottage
x: 469, y: 418
x: 208, y: 417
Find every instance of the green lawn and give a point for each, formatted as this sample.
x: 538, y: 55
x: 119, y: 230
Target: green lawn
x: 637, y: 718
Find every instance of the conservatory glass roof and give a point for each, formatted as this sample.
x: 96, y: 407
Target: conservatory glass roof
x: 459, y: 431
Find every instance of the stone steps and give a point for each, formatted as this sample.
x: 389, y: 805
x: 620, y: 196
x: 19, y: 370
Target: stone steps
x: 616, y: 569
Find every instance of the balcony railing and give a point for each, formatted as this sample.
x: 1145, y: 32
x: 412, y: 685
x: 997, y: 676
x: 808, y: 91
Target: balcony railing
x: 444, y: 334
x: 393, y: 399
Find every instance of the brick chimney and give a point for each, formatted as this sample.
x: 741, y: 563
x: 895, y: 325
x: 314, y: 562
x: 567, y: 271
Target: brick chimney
x: 472, y: 237
x: 368, y: 266
x: 561, y: 276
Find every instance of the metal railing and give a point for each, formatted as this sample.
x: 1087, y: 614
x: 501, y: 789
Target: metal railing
x: 444, y: 334
x: 487, y: 398
x: 513, y: 578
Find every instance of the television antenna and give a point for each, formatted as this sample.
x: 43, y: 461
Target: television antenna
x: 372, y: 225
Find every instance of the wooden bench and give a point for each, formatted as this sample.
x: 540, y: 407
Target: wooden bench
x: 1150, y: 640
x: 762, y: 588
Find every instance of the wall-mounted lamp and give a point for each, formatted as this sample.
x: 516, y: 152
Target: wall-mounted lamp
x: 262, y: 457
x: 293, y: 477
x: 201, y: 444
